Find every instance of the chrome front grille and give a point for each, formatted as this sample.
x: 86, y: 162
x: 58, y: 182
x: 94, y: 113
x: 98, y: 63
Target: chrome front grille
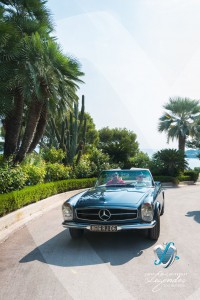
x: 116, y: 214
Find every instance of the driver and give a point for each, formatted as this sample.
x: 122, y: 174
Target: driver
x: 115, y: 180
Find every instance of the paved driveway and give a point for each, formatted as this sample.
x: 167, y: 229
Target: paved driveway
x: 40, y: 261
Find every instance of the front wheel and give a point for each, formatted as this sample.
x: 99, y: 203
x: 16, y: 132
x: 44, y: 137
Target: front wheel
x: 76, y: 233
x: 154, y: 232
x: 163, y: 208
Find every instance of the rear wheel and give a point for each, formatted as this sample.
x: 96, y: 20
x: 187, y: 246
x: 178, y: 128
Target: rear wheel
x: 154, y: 232
x: 76, y: 233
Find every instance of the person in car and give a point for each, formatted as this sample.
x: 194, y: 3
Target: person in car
x: 115, y: 180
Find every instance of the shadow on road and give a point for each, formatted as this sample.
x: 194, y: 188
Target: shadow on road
x: 195, y: 214
x: 94, y: 248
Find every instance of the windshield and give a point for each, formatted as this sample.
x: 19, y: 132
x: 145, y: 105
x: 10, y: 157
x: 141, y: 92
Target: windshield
x: 125, y: 178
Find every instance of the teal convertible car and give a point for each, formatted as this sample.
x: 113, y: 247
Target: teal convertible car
x: 120, y: 200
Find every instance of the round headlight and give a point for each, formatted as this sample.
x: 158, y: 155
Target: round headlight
x: 67, y: 212
x: 147, y: 212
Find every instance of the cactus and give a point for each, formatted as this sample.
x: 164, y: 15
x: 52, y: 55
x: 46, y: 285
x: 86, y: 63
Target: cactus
x: 70, y: 137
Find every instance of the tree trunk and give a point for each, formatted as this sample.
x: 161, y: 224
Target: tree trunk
x: 181, y: 142
x: 40, y: 128
x: 31, y: 125
x: 12, y: 125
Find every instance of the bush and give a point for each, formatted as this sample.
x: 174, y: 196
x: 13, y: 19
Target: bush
x: 141, y: 160
x: 192, y: 174
x: 55, y: 172
x: 83, y: 170
x: 11, y: 178
x: 169, y: 162
x: 53, y: 155
x: 166, y: 179
x: 184, y: 178
x: 17, y: 199
x: 99, y: 161
x: 35, y: 174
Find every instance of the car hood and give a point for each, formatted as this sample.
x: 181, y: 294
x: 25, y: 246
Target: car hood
x: 112, y: 196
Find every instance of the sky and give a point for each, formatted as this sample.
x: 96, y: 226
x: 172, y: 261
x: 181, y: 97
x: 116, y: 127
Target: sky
x: 135, y: 54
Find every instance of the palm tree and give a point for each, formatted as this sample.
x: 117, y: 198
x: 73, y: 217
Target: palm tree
x: 52, y: 77
x: 35, y: 75
x: 17, y: 19
x: 179, y: 119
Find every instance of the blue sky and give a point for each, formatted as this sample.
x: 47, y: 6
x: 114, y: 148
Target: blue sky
x: 135, y: 55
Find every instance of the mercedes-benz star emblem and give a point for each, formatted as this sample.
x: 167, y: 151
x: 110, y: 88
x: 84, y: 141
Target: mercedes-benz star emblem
x: 104, y: 214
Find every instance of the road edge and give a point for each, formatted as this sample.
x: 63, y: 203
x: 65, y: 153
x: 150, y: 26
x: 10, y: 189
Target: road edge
x: 19, y: 218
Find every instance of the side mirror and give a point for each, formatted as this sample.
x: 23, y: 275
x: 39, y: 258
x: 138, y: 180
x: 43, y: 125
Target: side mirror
x: 157, y: 183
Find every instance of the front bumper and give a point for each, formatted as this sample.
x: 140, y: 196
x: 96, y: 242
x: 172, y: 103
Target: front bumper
x: 119, y: 226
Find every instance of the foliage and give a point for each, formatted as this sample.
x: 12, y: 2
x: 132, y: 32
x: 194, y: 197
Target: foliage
x: 35, y: 174
x: 168, y: 162
x: 82, y: 169
x: 36, y: 77
x: 179, y: 119
x: 11, y: 178
x: 56, y: 171
x: 119, y: 144
x: 99, y: 161
x: 53, y: 155
x: 194, y: 175
x: 160, y: 178
x: 67, y: 130
x: 140, y: 160
x: 17, y: 199
x: 184, y: 178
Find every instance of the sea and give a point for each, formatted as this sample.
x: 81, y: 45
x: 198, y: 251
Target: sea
x: 193, y: 163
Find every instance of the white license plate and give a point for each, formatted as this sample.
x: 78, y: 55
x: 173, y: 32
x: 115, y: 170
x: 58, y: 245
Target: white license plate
x: 103, y: 228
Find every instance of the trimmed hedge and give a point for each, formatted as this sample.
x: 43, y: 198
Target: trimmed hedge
x: 184, y: 178
x: 17, y: 199
x: 194, y: 175
x: 166, y: 179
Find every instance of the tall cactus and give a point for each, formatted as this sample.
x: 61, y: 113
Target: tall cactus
x: 71, y: 135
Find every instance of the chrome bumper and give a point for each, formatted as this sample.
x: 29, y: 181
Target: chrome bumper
x: 119, y: 227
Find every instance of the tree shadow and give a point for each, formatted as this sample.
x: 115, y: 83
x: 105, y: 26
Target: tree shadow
x: 195, y: 214
x: 93, y: 248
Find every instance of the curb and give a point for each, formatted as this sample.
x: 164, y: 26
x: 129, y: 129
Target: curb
x: 17, y: 219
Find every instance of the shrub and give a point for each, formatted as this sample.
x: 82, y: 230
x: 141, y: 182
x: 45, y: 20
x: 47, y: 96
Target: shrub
x: 82, y: 169
x: 35, y: 174
x: 192, y: 174
x: 141, y: 160
x: 57, y: 171
x: 98, y: 161
x: 184, y: 178
x: 170, y: 162
x: 166, y: 179
x: 53, y: 155
x: 17, y: 199
x: 11, y: 178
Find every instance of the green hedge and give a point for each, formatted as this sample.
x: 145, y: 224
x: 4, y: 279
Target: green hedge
x: 194, y: 175
x: 184, y: 178
x: 17, y: 199
x: 166, y: 179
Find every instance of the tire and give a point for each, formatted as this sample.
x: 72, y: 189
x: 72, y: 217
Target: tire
x: 154, y: 232
x: 163, y: 208
x: 76, y: 233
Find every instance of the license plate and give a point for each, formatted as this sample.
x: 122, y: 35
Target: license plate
x: 103, y: 228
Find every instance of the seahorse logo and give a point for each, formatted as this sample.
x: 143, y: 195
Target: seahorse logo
x: 165, y: 254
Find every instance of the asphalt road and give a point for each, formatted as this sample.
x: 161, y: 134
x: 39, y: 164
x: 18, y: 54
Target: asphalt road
x: 40, y: 261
